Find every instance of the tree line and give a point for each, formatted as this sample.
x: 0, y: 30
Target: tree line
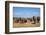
x: 24, y: 20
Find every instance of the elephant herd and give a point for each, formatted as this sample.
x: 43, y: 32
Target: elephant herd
x: 24, y: 20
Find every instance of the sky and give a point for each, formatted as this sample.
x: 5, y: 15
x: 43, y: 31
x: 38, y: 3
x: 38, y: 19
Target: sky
x: 25, y: 11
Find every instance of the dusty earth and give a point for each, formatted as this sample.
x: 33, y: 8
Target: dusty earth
x: 26, y: 25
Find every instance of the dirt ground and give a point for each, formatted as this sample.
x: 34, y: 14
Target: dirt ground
x: 16, y: 25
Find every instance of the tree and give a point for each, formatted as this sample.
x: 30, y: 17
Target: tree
x: 29, y: 19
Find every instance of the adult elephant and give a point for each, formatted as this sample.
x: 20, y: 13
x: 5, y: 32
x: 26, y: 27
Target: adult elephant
x: 34, y: 19
x: 38, y: 19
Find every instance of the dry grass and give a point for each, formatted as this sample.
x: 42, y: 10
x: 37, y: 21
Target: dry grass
x: 21, y: 25
x: 17, y: 25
